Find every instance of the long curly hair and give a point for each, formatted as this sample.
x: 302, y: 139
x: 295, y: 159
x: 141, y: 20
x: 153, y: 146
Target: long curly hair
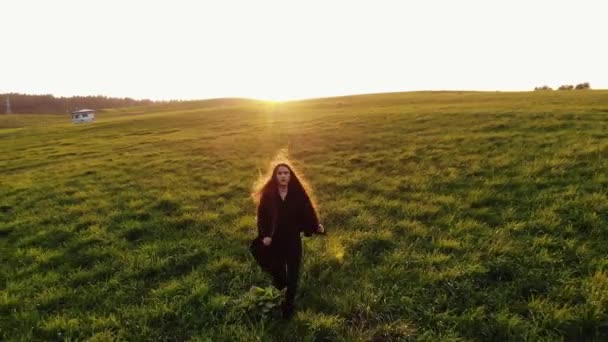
x: 267, y: 183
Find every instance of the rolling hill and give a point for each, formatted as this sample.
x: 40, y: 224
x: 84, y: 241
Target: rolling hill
x: 451, y: 216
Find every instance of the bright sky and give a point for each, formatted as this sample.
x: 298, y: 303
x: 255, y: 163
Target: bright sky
x: 285, y: 49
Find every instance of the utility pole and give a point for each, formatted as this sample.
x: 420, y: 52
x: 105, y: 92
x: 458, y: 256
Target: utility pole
x: 8, y: 105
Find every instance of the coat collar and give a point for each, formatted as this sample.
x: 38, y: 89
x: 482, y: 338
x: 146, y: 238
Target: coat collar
x: 278, y: 195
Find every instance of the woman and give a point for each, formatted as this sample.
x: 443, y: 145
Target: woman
x: 284, y: 210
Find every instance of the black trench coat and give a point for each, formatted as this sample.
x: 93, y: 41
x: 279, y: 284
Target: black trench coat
x: 301, y: 214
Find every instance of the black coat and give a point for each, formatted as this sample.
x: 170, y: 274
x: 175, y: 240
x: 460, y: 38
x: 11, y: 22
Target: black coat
x: 295, y: 214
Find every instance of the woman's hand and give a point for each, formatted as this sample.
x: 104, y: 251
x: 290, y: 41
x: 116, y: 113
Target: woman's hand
x: 267, y: 240
x: 321, y: 228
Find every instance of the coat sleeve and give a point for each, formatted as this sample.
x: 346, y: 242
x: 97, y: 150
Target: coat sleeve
x: 264, y: 220
x: 310, y: 219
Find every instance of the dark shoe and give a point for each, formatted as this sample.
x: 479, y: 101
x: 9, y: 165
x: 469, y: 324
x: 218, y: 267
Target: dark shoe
x: 288, y: 310
x: 280, y: 285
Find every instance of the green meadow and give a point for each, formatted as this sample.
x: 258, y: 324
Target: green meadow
x: 451, y: 216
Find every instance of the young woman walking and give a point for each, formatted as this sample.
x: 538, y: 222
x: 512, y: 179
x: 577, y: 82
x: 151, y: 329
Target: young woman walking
x: 284, y: 210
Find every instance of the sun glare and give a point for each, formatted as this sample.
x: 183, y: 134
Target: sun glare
x: 276, y: 98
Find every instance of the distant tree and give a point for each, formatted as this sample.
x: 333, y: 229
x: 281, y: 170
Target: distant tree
x: 24, y: 103
x: 566, y: 87
x: 585, y: 85
x: 545, y: 87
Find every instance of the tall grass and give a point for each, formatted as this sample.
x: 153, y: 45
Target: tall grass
x: 450, y: 215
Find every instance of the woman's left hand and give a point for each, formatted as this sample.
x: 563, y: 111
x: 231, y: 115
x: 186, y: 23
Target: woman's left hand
x: 321, y: 229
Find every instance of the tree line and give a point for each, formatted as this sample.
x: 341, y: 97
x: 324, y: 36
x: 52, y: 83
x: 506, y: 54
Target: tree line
x: 580, y: 86
x: 49, y: 104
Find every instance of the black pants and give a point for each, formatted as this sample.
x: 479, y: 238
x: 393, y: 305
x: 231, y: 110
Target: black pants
x: 287, y: 255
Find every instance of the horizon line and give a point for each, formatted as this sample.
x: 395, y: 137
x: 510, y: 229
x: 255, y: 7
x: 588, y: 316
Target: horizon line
x: 290, y: 99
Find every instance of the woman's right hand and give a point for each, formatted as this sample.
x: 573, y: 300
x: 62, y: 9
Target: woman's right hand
x: 267, y: 240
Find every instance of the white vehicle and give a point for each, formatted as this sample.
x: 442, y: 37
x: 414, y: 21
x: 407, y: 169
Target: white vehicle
x: 83, y: 115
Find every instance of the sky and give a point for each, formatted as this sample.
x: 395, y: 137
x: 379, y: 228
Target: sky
x: 281, y: 50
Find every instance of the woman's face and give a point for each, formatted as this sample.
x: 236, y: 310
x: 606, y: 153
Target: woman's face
x: 283, y: 175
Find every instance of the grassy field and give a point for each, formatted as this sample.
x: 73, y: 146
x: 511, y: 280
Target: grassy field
x: 451, y: 216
